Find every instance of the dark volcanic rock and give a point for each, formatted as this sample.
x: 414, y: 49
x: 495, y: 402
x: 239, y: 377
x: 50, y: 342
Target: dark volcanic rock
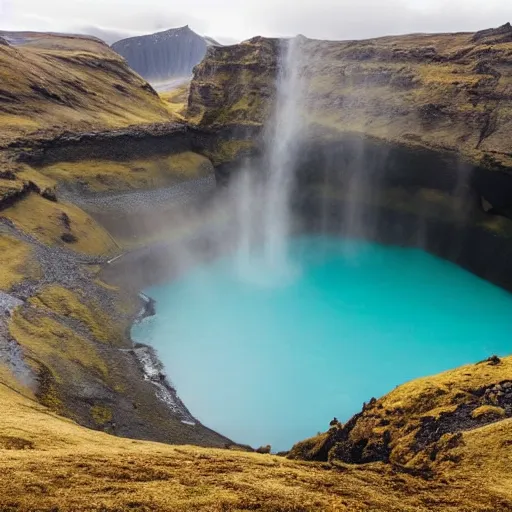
x: 503, y: 33
x: 162, y: 55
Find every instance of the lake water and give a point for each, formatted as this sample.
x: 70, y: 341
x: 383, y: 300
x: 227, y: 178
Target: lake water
x: 271, y: 361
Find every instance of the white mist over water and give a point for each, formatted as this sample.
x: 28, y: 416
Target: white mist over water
x: 262, y: 196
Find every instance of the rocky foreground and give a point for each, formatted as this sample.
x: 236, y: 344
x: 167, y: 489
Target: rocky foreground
x: 82, y: 135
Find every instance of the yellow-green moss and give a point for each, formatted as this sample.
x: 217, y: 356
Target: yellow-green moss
x: 16, y: 262
x: 101, y: 414
x: 70, y: 304
x: 44, y: 220
x: 29, y: 175
x: 176, y: 101
x: 55, y: 346
x: 49, y: 397
x: 488, y: 410
x: 110, y: 175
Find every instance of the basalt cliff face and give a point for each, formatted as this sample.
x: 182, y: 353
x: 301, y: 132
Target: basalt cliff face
x: 90, y: 162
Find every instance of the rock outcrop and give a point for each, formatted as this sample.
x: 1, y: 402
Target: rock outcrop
x: 422, y: 423
x: 163, y: 55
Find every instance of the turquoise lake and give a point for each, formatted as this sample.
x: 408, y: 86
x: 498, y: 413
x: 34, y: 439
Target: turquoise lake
x: 271, y: 361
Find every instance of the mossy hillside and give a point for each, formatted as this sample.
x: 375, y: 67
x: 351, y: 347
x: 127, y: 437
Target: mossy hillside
x: 76, y: 305
x: 17, y: 262
x: 79, y: 83
x: 72, y: 345
x: 48, y: 221
x: 176, y: 101
x: 421, y: 419
x: 50, y: 344
x: 117, y: 175
x: 50, y: 462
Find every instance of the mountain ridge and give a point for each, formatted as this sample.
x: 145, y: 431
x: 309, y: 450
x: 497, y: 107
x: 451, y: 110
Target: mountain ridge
x: 164, y: 54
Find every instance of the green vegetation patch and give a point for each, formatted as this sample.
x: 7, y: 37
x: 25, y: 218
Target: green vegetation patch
x: 115, y: 175
x: 73, y: 305
x: 51, y: 344
x: 60, y: 224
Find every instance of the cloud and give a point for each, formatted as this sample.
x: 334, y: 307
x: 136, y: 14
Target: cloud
x: 240, y: 19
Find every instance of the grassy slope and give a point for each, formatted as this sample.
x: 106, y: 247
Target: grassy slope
x: 52, y: 84
x: 44, y: 220
x: 176, y: 101
x: 421, y: 422
x: 16, y: 262
x: 51, y: 462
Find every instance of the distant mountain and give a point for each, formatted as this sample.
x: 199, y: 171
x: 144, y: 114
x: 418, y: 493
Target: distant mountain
x: 159, y: 56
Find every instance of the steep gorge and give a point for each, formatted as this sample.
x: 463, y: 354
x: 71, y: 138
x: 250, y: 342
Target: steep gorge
x: 418, y: 111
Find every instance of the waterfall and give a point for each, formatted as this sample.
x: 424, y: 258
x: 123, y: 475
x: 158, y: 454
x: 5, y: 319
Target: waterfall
x: 282, y: 142
x: 262, y: 196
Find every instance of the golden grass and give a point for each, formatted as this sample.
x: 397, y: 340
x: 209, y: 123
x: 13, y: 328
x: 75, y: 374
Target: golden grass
x: 109, y: 175
x: 488, y: 410
x: 76, y: 83
x: 43, y: 219
x: 176, y: 101
x: 28, y: 174
x: 423, y: 398
x: 16, y: 262
x: 50, y: 463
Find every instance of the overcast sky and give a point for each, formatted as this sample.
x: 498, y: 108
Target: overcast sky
x: 232, y: 20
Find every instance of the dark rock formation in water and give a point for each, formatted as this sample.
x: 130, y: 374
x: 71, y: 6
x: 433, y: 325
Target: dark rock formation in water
x: 159, y: 56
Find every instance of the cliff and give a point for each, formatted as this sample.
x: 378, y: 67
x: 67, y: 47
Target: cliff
x: 447, y: 92
x: 160, y: 56
x: 417, y: 124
